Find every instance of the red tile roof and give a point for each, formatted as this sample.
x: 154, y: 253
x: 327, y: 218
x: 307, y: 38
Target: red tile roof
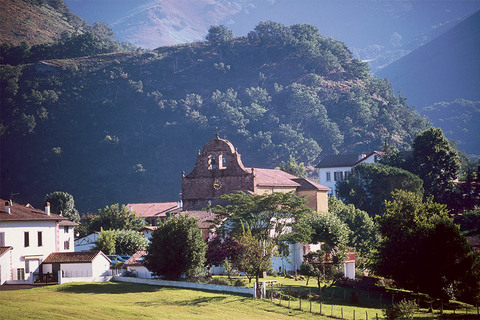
x: 67, y: 223
x: 136, y: 259
x: 25, y: 213
x: 73, y: 257
x: 156, y: 210
x: 4, y: 249
x: 274, y: 178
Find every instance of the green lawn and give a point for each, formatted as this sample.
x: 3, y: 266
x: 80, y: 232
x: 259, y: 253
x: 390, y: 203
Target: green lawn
x: 133, y: 301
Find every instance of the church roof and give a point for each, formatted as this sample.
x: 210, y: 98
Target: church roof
x: 306, y: 184
x: 274, y: 178
x: 154, y: 209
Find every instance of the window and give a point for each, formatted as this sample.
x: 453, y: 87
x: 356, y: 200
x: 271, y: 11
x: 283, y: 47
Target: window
x: 328, y: 176
x: 26, y: 239
x: 66, y: 245
x: 2, y: 239
x: 346, y: 175
x: 338, y: 175
x: 222, y: 161
x: 39, y: 238
x: 65, y: 229
x: 212, y: 162
x: 20, y: 274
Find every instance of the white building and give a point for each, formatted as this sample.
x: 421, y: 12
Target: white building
x: 86, y: 243
x: 27, y: 237
x: 333, y: 168
x: 78, y: 266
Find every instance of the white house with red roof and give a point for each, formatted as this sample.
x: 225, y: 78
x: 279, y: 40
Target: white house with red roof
x: 336, y: 167
x: 27, y: 237
x: 91, y: 266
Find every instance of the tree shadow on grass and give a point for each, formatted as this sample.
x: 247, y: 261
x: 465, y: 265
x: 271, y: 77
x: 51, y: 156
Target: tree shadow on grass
x: 107, y: 287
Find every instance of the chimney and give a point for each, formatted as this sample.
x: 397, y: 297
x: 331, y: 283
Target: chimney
x: 47, y: 208
x: 60, y: 213
x: 361, y: 156
x: 7, y: 207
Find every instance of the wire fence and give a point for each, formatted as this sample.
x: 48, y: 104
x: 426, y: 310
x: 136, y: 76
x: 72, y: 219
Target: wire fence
x: 348, y: 303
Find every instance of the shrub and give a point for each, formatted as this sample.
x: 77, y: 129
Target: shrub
x: 404, y: 309
x: 239, y: 283
x: 219, y: 281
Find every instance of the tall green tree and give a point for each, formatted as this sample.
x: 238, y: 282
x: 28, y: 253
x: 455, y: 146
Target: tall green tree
x: 177, y: 247
x: 256, y: 254
x: 437, y: 163
x: 114, y: 217
x: 61, y: 201
x: 369, y: 185
x: 423, y: 250
x: 106, y: 241
x: 259, y: 213
x: 364, y: 235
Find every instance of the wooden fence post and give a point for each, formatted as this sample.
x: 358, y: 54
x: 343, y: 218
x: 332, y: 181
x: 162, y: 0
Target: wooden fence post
x: 366, y: 315
x: 310, y: 305
x: 331, y: 312
x: 320, y: 307
x: 300, y: 304
x: 342, y: 312
x: 280, y: 300
x: 376, y: 314
x: 288, y: 302
x: 353, y: 314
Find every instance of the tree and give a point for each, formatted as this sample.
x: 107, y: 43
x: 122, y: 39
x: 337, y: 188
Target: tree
x: 129, y: 241
x: 177, y: 247
x: 219, y: 35
x: 115, y: 218
x: 259, y: 213
x: 221, y: 249
x: 256, y: 254
x: 308, y: 270
x: 369, y: 185
x: 297, y: 169
x: 63, y: 202
x: 422, y: 249
x: 364, y: 234
x: 106, y: 241
x: 437, y: 163
x: 327, y: 229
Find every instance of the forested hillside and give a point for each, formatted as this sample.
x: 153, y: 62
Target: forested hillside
x: 121, y: 127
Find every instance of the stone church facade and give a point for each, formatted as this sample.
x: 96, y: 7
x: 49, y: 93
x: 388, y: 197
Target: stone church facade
x: 219, y: 170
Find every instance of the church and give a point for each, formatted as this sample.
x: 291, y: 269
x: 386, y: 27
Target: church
x: 219, y: 170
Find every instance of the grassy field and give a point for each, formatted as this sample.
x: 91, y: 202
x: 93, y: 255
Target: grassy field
x: 128, y: 301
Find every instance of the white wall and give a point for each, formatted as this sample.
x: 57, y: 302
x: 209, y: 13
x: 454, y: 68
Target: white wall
x: 140, y: 271
x: 5, y: 268
x: 62, y: 237
x: 322, y: 174
x: 100, y: 266
x: 295, y: 259
x: 14, y: 237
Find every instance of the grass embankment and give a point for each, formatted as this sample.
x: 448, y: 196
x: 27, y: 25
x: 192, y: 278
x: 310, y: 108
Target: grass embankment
x: 133, y: 301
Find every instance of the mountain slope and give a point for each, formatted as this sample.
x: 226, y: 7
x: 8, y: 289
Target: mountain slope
x: 34, y: 24
x: 122, y: 127
x: 445, y: 69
